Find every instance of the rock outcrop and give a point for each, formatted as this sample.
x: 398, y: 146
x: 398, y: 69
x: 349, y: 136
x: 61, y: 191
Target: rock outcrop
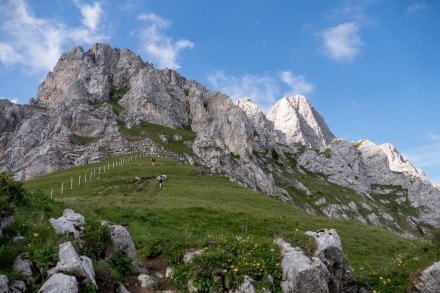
x: 70, y: 223
x: 70, y: 263
x: 429, y: 280
x: 326, y: 271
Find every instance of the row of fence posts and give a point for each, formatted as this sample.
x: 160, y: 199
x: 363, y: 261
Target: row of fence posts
x: 88, y: 177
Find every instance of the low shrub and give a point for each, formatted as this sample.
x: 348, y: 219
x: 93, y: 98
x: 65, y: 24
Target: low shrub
x: 224, y: 263
x: 95, y: 240
x: 120, y: 267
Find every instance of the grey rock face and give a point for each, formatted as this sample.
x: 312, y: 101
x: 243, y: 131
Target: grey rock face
x: 17, y: 286
x: 60, y: 283
x: 300, y: 273
x: 69, y: 262
x: 70, y: 223
x: 429, y: 280
x: 329, y: 251
x: 4, y: 284
x: 5, y: 221
x: 22, y: 266
x: 372, y: 170
x: 122, y: 242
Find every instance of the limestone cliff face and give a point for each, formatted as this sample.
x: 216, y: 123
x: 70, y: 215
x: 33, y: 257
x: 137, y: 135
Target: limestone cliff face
x: 84, y: 105
x: 73, y: 120
x: 299, y: 122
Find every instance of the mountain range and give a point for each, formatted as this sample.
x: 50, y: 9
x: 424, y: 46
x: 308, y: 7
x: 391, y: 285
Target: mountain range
x: 105, y: 101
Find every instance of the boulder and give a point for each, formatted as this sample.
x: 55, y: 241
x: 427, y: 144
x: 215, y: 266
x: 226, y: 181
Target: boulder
x: 122, y: 242
x: 246, y: 286
x: 60, y: 283
x: 301, y: 273
x: 146, y: 280
x: 69, y: 223
x: 22, y: 266
x: 429, y: 280
x: 70, y: 263
x: 329, y: 251
x: 5, y: 221
x: 4, y: 284
x: 17, y: 286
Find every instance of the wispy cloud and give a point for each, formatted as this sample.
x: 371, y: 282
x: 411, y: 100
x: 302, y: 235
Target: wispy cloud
x: 157, y: 45
x: 342, y: 42
x: 298, y: 83
x: 37, y: 43
x: 91, y: 14
x: 9, y: 56
x: 416, y: 7
x: 263, y: 90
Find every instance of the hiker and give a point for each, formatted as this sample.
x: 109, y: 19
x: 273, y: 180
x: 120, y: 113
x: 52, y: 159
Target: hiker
x: 161, y: 179
x: 153, y: 161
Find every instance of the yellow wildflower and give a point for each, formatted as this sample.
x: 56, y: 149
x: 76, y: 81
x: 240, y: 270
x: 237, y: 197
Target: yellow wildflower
x: 36, y: 235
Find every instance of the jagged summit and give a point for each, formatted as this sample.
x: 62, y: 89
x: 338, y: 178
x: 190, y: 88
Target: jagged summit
x: 299, y: 122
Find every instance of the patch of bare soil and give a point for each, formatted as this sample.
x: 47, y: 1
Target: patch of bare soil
x: 156, y: 268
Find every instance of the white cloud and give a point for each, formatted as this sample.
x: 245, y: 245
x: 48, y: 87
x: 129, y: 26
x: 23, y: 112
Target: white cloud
x: 8, y: 55
x: 158, y: 45
x: 263, y: 90
x: 91, y: 15
x: 297, y: 83
x: 342, y: 42
x: 37, y: 43
x: 416, y: 7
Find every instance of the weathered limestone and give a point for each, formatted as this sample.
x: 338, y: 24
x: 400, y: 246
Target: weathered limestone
x: 60, y: 283
x: 301, y: 273
x: 69, y: 262
x: 70, y: 223
x: 122, y: 242
x: 429, y: 280
x: 326, y: 271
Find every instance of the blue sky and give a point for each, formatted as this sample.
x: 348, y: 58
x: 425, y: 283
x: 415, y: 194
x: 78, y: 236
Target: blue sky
x: 370, y: 67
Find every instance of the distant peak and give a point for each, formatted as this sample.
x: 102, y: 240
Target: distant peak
x: 296, y: 118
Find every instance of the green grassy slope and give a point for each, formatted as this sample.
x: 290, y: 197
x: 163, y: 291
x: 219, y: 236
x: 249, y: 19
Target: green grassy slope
x: 190, y: 208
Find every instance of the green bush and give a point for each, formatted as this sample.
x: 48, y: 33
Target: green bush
x: 120, y: 267
x: 224, y: 263
x: 44, y: 257
x: 11, y: 192
x: 95, y: 239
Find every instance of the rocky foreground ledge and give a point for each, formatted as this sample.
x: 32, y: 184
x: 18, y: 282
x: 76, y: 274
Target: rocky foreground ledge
x: 325, y: 271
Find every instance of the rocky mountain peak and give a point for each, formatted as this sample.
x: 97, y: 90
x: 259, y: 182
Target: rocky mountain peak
x: 299, y: 122
x: 88, y: 77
